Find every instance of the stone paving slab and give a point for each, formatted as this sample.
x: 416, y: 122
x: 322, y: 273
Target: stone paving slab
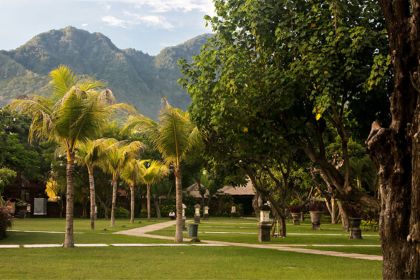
x: 91, y: 245
x: 42, y: 245
x: 9, y: 246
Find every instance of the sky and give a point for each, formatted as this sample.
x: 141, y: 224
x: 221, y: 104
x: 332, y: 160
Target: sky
x: 146, y: 25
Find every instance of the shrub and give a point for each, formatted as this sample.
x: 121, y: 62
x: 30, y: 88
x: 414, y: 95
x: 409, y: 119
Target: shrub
x: 295, y: 209
x: 5, y: 221
x: 121, y: 212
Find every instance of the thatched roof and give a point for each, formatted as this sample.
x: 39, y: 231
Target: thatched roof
x: 247, y: 189
x: 193, y: 191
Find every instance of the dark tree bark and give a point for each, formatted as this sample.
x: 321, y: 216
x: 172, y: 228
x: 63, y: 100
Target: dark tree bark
x: 104, y: 206
x: 255, y: 205
x: 157, y: 208
x: 396, y: 150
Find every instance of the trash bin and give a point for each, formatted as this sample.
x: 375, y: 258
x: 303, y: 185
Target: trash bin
x: 193, y: 232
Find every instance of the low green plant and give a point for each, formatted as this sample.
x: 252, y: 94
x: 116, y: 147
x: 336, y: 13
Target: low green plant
x: 121, y: 212
x: 5, y: 221
x: 369, y: 225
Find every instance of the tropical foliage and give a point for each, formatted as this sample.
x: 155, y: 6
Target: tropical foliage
x: 76, y: 112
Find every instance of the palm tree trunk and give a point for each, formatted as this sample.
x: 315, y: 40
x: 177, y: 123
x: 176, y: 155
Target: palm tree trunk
x: 148, y: 201
x: 178, y: 203
x: 114, y: 200
x: 132, y: 204
x: 157, y: 208
x: 69, y: 237
x: 92, y: 197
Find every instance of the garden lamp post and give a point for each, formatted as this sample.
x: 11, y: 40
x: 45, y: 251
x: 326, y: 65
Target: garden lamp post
x: 233, y: 211
x: 197, y: 214
x: 264, y: 226
x: 206, y: 213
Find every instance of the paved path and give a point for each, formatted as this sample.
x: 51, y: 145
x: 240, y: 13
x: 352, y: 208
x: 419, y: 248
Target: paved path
x: 143, y: 232
x: 112, y: 245
x: 299, y: 250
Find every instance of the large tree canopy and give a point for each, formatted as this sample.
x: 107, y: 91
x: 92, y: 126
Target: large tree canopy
x: 285, y: 76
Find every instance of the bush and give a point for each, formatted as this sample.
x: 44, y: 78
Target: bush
x: 5, y: 221
x: 165, y: 209
x: 121, y: 212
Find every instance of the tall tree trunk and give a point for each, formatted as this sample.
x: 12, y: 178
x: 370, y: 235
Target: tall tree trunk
x: 344, y: 216
x: 178, y: 198
x: 69, y: 237
x: 92, y: 197
x: 157, y: 208
x: 396, y: 149
x: 114, y: 200
x: 332, y: 209
x: 255, y: 205
x: 104, y: 206
x: 132, y: 204
x: 148, y: 201
x: 283, y: 226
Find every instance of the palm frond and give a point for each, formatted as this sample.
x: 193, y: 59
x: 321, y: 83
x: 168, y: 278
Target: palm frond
x: 153, y: 171
x: 62, y: 79
x: 174, y: 129
x: 141, y: 124
x: 39, y: 108
x: 89, y: 85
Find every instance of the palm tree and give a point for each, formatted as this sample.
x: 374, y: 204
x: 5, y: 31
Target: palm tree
x: 132, y: 174
x: 116, y: 157
x: 74, y: 113
x: 88, y: 154
x: 173, y: 136
x: 153, y: 172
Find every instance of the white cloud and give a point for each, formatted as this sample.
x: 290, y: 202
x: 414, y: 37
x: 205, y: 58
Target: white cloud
x: 149, y: 20
x: 135, y: 19
x: 164, y: 6
x: 107, y: 7
x: 113, y: 21
x: 84, y: 24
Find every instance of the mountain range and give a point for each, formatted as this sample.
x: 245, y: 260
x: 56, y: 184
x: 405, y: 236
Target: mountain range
x: 134, y: 77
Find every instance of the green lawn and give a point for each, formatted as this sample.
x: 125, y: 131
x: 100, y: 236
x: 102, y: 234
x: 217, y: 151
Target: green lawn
x: 180, y: 263
x: 187, y: 262
x: 246, y: 231
x: 83, y: 233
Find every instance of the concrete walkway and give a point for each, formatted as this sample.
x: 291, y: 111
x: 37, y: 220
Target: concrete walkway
x: 143, y: 232
x: 112, y: 245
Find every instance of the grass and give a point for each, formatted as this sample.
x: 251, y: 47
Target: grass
x: 187, y: 262
x: 180, y: 263
x: 83, y: 233
x: 246, y: 231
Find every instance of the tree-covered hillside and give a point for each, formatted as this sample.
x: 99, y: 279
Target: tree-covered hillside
x: 133, y: 76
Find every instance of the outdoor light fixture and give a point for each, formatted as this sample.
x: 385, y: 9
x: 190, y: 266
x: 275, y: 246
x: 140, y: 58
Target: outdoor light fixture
x: 206, y: 212
x: 265, y: 214
x: 197, y: 213
x: 264, y: 226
